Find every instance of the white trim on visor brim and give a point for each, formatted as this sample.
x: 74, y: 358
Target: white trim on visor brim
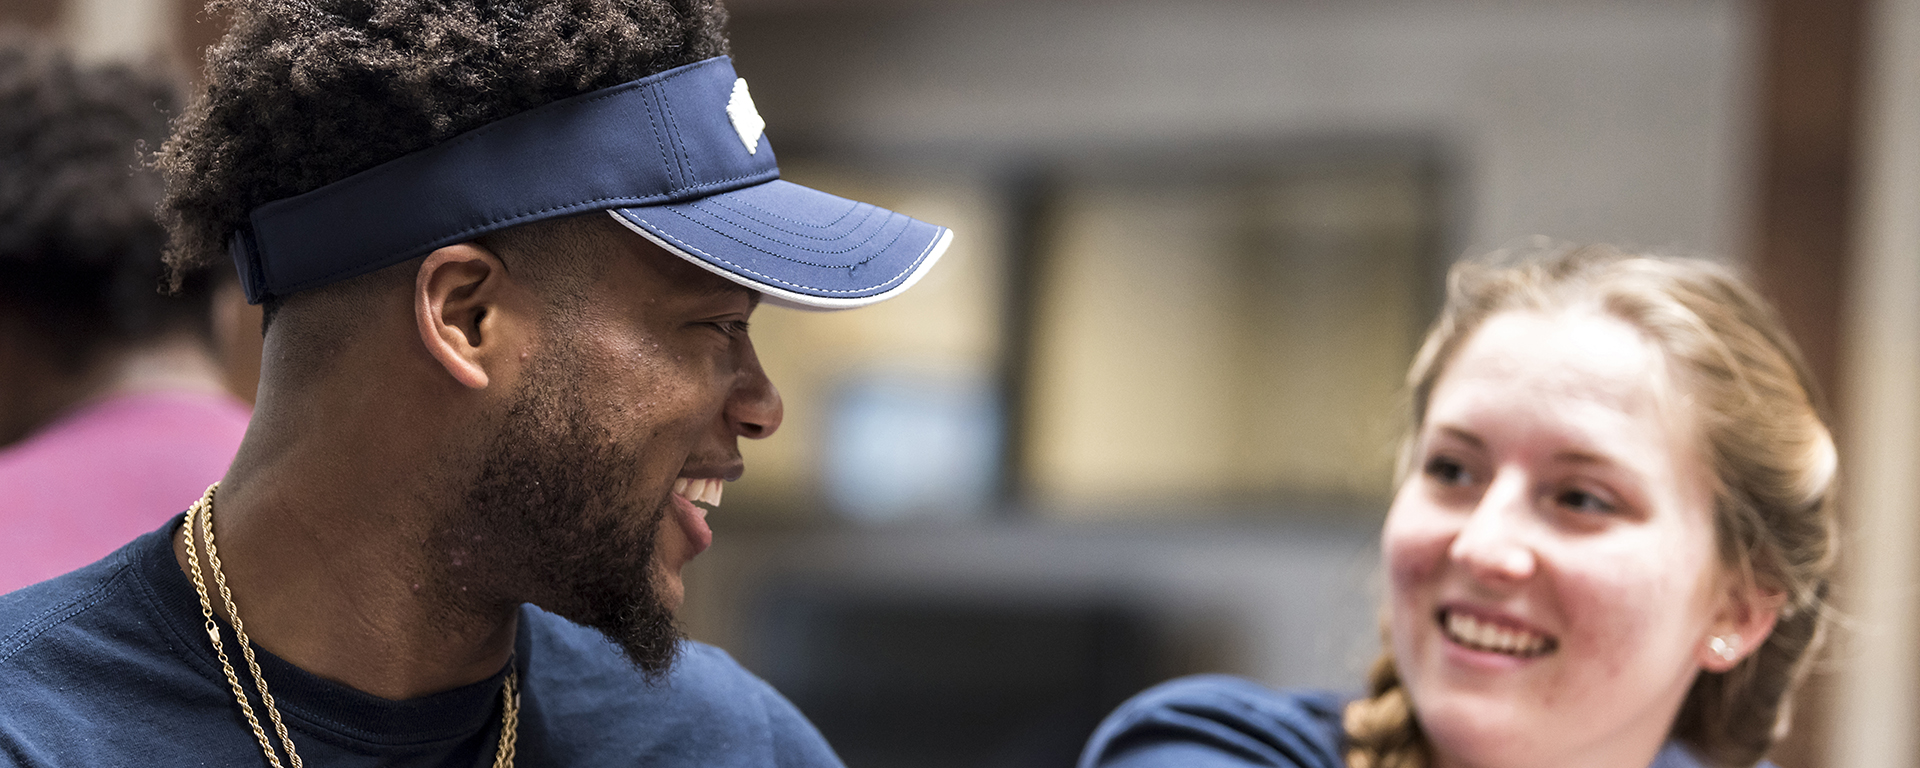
x: 774, y: 294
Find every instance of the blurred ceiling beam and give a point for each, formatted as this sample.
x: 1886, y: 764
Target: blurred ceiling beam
x: 1877, y: 714
x: 1800, y: 249
x: 32, y: 14
x: 1807, y: 125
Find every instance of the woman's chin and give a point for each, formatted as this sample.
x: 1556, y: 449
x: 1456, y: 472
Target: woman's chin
x: 1471, y: 729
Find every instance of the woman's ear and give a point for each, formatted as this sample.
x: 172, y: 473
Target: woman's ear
x: 463, y: 302
x: 1745, y: 619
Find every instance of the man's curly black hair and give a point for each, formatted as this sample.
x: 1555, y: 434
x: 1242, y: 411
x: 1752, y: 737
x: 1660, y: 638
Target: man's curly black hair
x: 79, y: 245
x: 303, y: 93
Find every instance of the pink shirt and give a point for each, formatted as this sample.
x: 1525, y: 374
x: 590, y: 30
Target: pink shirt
x: 94, y: 479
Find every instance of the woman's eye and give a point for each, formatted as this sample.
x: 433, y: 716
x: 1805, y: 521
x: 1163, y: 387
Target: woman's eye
x: 1447, y: 471
x: 1582, y: 501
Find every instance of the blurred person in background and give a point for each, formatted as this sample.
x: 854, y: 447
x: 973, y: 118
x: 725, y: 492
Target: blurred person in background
x: 1610, y: 545
x: 112, y: 411
x: 507, y: 252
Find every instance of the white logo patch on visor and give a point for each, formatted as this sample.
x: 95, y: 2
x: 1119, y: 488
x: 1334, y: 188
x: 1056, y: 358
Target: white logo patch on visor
x: 746, y: 119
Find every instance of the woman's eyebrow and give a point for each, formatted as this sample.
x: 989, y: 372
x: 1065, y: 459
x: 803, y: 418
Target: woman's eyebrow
x: 1634, y: 475
x: 1582, y: 457
x: 1464, y: 436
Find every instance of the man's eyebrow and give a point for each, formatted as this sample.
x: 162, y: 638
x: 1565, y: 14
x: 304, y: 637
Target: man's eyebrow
x: 721, y: 289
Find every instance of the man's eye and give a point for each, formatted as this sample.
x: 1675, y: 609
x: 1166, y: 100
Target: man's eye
x: 1447, y: 471
x: 732, y: 328
x: 1582, y: 501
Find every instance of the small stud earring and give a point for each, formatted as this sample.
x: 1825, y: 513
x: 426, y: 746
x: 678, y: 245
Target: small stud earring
x: 1725, y: 647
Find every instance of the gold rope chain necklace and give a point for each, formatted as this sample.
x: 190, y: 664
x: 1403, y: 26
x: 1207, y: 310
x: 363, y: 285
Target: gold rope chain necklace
x: 202, y: 511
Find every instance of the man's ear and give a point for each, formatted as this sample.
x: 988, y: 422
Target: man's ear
x: 1745, y: 619
x: 463, y: 302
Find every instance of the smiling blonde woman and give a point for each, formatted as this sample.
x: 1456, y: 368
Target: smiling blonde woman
x: 1609, y: 547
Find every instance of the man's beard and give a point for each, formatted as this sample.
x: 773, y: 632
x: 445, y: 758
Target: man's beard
x: 549, y: 519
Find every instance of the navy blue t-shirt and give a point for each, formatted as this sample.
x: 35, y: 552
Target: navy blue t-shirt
x: 1219, y: 721
x: 110, y: 665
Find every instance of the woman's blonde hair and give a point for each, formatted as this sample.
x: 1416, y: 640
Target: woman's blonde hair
x: 1757, y: 414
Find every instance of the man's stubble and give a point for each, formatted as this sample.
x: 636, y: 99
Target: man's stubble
x: 549, y: 518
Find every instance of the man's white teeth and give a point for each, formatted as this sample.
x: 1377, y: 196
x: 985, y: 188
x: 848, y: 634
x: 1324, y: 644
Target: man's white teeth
x: 1483, y: 636
x: 705, y: 490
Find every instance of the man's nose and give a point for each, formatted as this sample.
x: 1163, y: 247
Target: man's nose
x: 1492, y: 545
x: 753, y: 408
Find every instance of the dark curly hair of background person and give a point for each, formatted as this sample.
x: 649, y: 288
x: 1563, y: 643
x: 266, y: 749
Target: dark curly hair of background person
x: 303, y: 93
x: 79, y: 245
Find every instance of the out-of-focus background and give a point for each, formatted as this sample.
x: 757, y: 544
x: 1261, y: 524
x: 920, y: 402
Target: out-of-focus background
x: 1140, y: 422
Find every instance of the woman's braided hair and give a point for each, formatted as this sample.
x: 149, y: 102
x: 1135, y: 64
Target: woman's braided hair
x: 1773, y: 460
x: 303, y: 93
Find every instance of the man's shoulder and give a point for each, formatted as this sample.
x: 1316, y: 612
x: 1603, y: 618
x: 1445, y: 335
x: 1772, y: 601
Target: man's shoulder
x: 707, y: 711
x: 1220, y: 720
x: 86, y: 659
x: 29, y: 614
x: 1238, y: 698
x: 584, y: 660
x: 1676, y: 754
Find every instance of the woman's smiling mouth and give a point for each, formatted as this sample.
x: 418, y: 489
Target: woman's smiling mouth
x: 1487, y: 636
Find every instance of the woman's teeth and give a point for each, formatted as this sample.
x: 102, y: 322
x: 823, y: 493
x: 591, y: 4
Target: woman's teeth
x: 1483, y: 636
x: 705, y: 490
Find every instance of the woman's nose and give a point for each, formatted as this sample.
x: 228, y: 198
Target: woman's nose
x: 1492, y: 545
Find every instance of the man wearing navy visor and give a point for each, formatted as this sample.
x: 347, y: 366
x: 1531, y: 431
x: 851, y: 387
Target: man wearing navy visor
x: 508, y: 252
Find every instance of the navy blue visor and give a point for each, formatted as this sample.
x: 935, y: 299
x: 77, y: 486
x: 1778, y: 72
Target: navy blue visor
x: 678, y: 157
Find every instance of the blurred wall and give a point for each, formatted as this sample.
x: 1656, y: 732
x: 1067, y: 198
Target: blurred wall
x: 1159, y: 355
x: 121, y: 29
x: 1621, y: 121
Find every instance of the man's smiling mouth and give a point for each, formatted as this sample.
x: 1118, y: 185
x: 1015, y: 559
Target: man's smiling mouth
x: 1487, y: 636
x: 705, y: 490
